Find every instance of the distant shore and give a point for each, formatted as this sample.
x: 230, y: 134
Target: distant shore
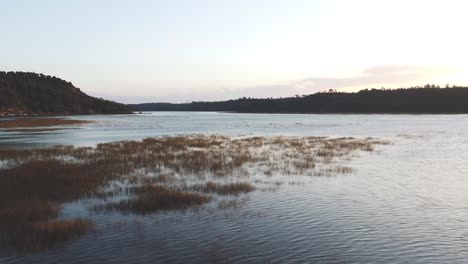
x: 427, y: 100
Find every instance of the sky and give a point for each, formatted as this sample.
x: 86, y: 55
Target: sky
x: 182, y: 51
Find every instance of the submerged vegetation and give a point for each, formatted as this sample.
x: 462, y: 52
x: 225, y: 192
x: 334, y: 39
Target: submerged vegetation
x: 155, y: 174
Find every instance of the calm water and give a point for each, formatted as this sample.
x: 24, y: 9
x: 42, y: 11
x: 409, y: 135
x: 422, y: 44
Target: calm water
x: 406, y: 203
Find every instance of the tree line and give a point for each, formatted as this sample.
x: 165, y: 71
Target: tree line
x: 426, y: 99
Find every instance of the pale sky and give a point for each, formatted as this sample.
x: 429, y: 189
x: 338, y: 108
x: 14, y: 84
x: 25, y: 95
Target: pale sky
x: 180, y: 51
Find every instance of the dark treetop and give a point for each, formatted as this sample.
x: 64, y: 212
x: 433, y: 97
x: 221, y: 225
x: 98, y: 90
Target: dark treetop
x: 428, y: 99
x: 32, y: 93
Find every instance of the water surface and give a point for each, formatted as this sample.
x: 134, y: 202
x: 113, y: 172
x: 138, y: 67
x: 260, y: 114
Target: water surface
x: 407, y: 203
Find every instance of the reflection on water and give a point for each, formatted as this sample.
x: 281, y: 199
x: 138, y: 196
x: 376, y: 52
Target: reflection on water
x: 407, y: 204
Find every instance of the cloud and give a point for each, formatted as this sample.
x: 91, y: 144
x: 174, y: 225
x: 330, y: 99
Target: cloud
x: 378, y: 76
x: 393, y: 76
x: 390, y: 76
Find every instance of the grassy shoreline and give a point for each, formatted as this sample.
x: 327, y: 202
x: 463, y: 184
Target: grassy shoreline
x: 38, y: 124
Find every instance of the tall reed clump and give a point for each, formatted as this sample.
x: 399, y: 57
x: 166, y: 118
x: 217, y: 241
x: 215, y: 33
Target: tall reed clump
x: 30, y: 198
x: 42, y: 235
x: 224, y: 189
x: 153, y: 197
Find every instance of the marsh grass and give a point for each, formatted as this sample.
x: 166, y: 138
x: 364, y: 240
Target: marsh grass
x: 30, y: 198
x: 224, y: 189
x: 39, y: 122
x: 152, y: 174
x: 152, y: 198
x: 42, y: 235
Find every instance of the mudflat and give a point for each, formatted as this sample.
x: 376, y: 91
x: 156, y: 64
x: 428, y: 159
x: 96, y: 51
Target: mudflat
x: 40, y: 122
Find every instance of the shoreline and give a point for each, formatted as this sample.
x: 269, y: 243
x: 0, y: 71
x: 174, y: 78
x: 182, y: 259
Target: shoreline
x: 315, y: 113
x: 19, y: 123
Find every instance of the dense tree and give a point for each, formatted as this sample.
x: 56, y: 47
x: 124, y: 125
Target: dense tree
x: 32, y: 93
x: 431, y: 99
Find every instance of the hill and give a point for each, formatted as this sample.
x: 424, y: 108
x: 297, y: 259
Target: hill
x: 429, y: 99
x: 25, y: 93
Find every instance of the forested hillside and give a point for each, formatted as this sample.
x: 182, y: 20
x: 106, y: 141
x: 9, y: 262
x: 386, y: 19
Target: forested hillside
x: 25, y: 93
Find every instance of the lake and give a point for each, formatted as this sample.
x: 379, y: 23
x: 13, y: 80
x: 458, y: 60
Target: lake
x: 407, y: 202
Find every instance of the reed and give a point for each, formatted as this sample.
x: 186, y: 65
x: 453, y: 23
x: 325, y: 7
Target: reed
x: 30, y: 198
x: 35, y: 183
x: 224, y: 189
x: 199, y: 155
x: 151, y: 198
x: 46, y: 234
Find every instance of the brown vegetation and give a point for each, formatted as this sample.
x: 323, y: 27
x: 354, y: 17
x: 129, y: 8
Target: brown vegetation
x: 30, y: 195
x: 224, y: 189
x: 151, y: 198
x: 35, y: 183
x: 45, y: 234
x: 40, y: 122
